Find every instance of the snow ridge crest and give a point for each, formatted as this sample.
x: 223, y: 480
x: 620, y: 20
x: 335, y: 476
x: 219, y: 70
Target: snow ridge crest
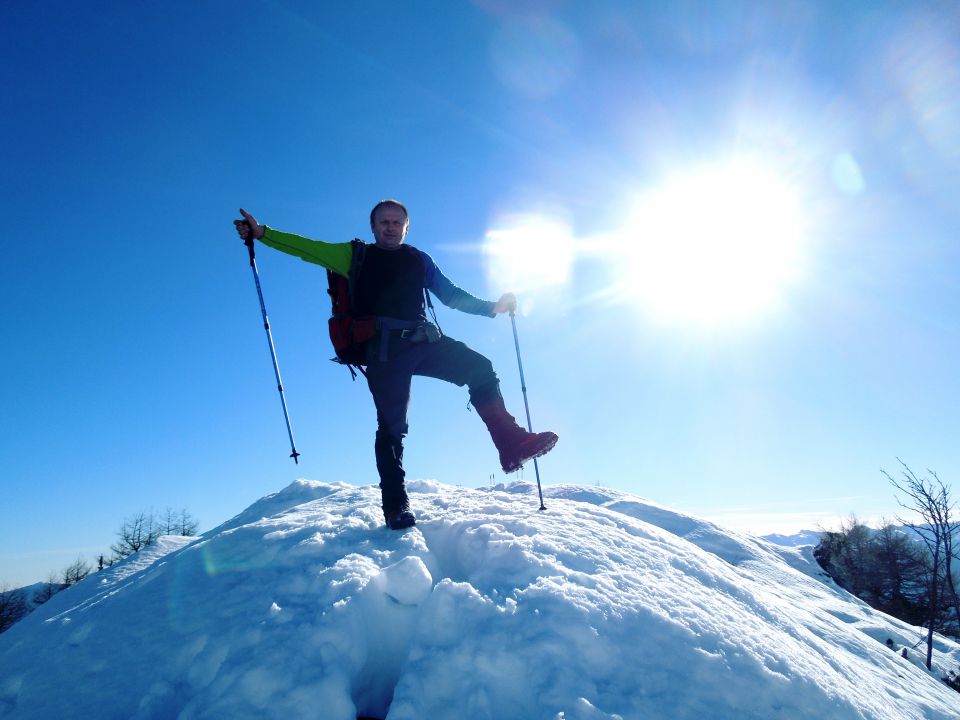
x: 604, y: 606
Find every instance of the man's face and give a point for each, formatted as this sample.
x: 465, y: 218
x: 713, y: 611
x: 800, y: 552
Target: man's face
x: 389, y: 226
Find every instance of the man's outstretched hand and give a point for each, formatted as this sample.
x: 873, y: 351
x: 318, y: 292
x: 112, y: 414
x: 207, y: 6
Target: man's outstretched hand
x: 248, y: 228
x: 506, y: 303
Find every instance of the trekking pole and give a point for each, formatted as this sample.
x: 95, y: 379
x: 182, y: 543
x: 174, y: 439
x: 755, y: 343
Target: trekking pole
x: 273, y: 353
x: 526, y: 405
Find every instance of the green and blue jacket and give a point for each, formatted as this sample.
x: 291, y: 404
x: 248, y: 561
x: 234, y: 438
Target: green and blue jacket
x: 379, y: 292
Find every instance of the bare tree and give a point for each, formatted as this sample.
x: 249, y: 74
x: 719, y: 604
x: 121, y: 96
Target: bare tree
x: 931, y: 499
x: 75, y: 572
x: 143, y: 529
x: 137, y: 532
x: 186, y: 524
x: 177, y: 523
x: 168, y: 523
x: 13, y: 606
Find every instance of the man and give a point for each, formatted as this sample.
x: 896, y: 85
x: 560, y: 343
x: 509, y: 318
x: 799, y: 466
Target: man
x: 389, y: 284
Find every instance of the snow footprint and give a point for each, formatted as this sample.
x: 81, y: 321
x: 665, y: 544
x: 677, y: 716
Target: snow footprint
x: 390, y: 607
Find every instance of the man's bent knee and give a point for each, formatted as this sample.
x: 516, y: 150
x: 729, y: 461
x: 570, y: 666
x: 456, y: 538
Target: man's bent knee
x: 487, y: 390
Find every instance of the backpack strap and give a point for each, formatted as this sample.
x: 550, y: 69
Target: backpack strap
x: 359, y: 251
x: 426, y: 296
x: 356, y: 260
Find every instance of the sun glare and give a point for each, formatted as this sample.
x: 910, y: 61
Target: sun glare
x: 715, y: 247
x: 528, y: 253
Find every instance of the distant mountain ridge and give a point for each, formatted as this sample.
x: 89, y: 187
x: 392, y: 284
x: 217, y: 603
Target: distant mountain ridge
x: 798, y: 539
x: 812, y: 537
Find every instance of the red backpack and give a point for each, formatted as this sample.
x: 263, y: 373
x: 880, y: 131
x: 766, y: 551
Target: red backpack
x: 349, y: 332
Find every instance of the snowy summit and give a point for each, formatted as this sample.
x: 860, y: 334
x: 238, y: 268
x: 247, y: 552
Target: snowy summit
x: 603, y: 606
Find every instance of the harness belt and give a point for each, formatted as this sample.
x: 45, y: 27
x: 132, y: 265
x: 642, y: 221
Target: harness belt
x: 413, y: 331
x: 386, y: 325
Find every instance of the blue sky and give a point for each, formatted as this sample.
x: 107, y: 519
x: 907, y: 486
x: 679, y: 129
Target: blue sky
x: 579, y: 153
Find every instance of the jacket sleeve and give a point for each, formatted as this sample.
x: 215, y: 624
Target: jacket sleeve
x: 332, y: 256
x: 451, y: 295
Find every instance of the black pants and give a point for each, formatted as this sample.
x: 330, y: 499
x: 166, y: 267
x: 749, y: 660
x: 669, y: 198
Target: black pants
x: 389, y: 382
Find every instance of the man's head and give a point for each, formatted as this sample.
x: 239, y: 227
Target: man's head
x: 389, y: 221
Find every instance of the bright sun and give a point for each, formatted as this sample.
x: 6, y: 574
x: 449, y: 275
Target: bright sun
x: 713, y: 247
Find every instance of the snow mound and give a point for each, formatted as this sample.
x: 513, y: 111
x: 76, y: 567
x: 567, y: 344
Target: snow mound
x: 604, y: 606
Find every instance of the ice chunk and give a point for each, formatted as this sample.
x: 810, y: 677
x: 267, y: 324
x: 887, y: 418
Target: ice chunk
x: 408, y: 582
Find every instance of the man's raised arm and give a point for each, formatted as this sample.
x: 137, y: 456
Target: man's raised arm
x: 332, y: 256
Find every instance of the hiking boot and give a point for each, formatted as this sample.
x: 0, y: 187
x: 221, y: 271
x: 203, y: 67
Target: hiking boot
x: 514, y: 444
x: 389, y: 453
x: 527, y: 447
x: 399, y: 519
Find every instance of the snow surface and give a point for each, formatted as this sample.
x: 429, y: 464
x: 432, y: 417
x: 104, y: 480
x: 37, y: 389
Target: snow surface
x: 603, y: 606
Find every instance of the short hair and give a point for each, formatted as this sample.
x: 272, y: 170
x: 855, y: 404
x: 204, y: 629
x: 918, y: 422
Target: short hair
x: 389, y: 203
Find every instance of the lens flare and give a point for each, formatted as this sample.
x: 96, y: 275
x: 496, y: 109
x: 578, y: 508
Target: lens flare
x: 535, y: 56
x: 847, y: 175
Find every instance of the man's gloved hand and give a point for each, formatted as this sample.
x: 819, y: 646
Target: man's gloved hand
x: 248, y: 229
x: 506, y: 303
